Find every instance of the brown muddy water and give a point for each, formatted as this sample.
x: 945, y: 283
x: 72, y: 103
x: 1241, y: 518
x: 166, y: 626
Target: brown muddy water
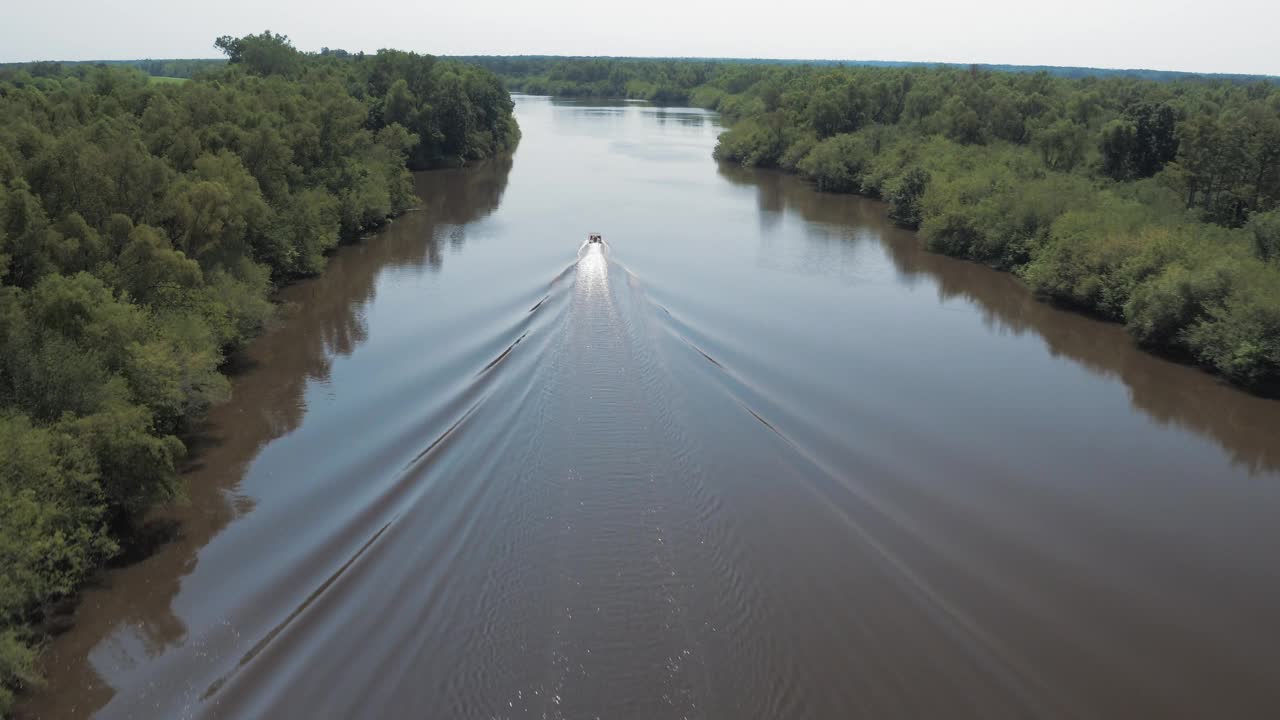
x: 759, y: 456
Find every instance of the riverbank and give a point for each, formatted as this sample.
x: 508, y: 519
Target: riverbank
x: 146, y: 226
x: 1184, y: 289
x: 1151, y: 204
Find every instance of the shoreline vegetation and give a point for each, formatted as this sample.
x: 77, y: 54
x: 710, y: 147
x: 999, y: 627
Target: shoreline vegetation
x: 143, y: 227
x: 1152, y: 204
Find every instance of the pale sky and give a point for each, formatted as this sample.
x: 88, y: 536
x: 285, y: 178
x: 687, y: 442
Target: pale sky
x: 1239, y: 36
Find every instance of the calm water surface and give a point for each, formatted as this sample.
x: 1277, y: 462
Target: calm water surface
x: 760, y: 456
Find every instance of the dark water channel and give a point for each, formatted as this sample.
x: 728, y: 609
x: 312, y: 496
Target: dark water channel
x: 759, y: 456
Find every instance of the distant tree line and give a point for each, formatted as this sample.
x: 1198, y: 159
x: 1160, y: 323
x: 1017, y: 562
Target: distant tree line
x: 142, y: 228
x: 175, y: 68
x: 676, y: 78
x: 1152, y: 204
x: 660, y: 81
x: 519, y: 67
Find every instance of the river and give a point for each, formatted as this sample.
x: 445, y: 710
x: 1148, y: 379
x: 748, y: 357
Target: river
x: 757, y: 456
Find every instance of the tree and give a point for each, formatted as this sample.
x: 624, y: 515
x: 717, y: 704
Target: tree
x: 1156, y: 135
x: 149, y: 267
x: 264, y: 54
x: 904, y: 197
x: 399, y: 105
x: 1119, y: 147
x: 1139, y: 145
x: 1265, y: 228
x: 28, y: 236
x: 962, y: 122
x: 1062, y: 145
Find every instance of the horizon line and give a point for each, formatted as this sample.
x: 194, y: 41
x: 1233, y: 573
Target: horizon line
x: 707, y: 58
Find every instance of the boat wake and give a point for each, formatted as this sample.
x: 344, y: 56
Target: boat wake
x: 574, y: 525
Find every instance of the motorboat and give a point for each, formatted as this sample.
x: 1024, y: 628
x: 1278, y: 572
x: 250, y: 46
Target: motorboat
x: 595, y: 238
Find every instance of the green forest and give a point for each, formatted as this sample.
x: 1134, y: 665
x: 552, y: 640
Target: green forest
x: 1153, y: 204
x: 174, y: 68
x: 608, y: 76
x: 143, y: 227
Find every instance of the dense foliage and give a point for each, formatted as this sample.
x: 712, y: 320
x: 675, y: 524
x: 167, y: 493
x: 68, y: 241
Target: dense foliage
x: 170, y: 68
x: 1152, y: 204
x: 660, y: 81
x: 609, y: 76
x: 142, y: 227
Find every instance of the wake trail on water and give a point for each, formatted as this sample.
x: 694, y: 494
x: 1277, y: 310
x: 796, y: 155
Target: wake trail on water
x: 576, y: 524
x: 540, y: 539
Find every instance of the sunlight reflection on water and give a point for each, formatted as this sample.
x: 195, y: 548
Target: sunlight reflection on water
x: 593, y: 269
